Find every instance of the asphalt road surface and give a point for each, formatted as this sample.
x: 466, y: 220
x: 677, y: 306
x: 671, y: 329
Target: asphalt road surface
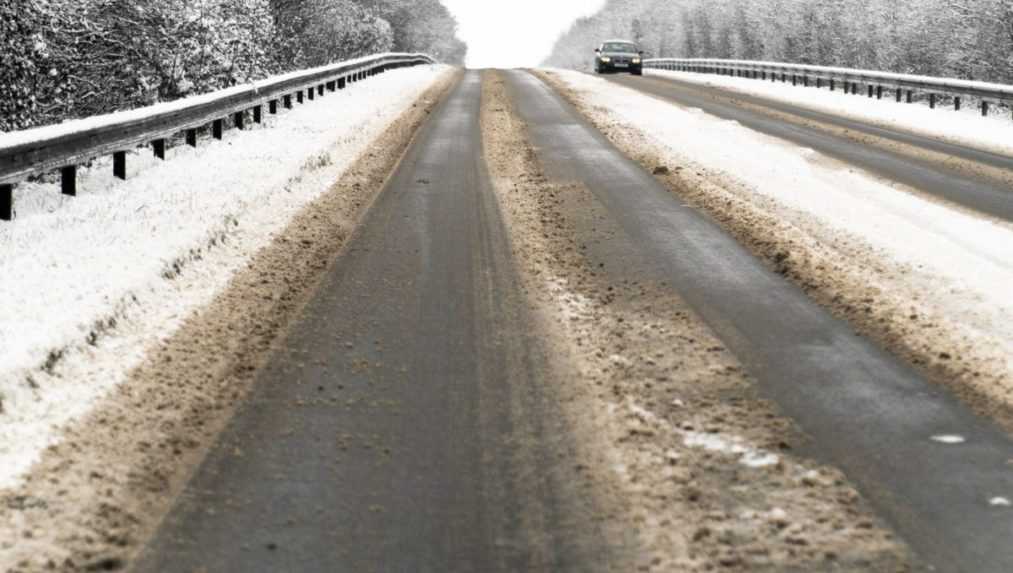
x: 978, y: 193
x: 867, y: 413
x: 403, y: 426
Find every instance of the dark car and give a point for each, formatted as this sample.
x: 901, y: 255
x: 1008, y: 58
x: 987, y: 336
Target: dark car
x: 619, y: 56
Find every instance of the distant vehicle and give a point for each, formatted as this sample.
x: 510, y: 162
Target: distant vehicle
x: 619, y: 56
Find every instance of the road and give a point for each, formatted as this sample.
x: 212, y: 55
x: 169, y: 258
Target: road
x: 402, y: 427
x: 868, y: 414
x: 834, y: 136
x: 408, y: 421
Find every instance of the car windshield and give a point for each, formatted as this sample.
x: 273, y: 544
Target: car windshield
x: 619, y: 47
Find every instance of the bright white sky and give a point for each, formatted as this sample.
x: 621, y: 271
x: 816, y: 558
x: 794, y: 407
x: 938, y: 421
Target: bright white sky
x: 515, y: 33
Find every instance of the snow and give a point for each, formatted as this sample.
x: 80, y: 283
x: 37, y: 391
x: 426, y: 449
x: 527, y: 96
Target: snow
x: 101, y: 121
x: 733, y: 446
x: 950, y: 440
x: 967, y: 127
x: 729, y: 445
x: 951, y: 260
x: 70, y: 263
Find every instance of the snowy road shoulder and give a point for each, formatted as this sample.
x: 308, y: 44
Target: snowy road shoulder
x: 928, y: 281
x: 966, y: 127
x: 89, y: 283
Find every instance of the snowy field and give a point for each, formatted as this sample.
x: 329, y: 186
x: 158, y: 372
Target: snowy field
x: 951, y: 261
x: 966, y: 127
x: 89, y: 283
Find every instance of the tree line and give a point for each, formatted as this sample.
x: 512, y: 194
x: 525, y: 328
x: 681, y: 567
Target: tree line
x: 66, y: 59
x: 968, y: 39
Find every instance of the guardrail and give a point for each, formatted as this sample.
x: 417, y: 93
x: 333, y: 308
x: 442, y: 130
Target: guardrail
x: 65, y: 146
x: 905, y: 87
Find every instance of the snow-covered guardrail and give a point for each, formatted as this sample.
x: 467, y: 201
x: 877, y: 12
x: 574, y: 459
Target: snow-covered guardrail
x: 905, y: 87
x: 65, y: 146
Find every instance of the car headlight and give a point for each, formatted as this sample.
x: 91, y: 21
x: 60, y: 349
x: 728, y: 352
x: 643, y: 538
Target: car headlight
x: 606, y: 59
x: 636, y: 60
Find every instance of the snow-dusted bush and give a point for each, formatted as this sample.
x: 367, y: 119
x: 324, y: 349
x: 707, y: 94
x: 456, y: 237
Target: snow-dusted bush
x: 75, y: 58
x: 64, y: 59
x: 23, y: 63
x: 317, y: 32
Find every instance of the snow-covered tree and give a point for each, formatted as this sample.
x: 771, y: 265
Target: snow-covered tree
x: 962, y: 38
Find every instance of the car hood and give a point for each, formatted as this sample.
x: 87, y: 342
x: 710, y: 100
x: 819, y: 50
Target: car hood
x: 621, y: 54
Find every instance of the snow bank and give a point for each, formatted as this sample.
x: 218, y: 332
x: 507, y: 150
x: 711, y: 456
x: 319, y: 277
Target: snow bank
x: 70, y: 265
x: 954, y: 261
x: 966, y: 127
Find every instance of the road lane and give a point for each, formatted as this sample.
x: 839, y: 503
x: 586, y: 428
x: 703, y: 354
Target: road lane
x: 867, y: 413
x: 403, y: 425
x: 981, y: 194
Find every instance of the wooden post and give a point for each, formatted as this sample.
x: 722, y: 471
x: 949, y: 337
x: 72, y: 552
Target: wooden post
x: 312, y: 94
x: 932, y: 101
x: 120, y: 165
x: 217, y: 128
x: 287, y: 101
x: 320, y: 89
x: 272, y: 107
x: 805, y: 81
x: 191, y: 137
x: 833, y: 85
x: 330, y: 86
x: 68, y: 181
x: 898, y: 94
x: 240, y: 119
x: 6, y: 202
x: 870, y: 90
x: 258, y: 114
x: 159, y: 147
x: 794, y: 80
x: 879, y: 92
x: 984, y: 109
x: 910, y: 96
x: 956, y: 103
x: 299, y: 96
x: 819, y: 83
x: 341, y: 83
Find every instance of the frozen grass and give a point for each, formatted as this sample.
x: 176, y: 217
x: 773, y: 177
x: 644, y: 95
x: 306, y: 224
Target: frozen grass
x: 967, y: 127
x: 954, y: 261
x: 89, y: 282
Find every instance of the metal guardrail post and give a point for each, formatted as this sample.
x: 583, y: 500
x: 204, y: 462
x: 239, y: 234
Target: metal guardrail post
x: 158, y: 147
x: 6, y: 202
x: 68, y: 181
x: 120, y: 165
